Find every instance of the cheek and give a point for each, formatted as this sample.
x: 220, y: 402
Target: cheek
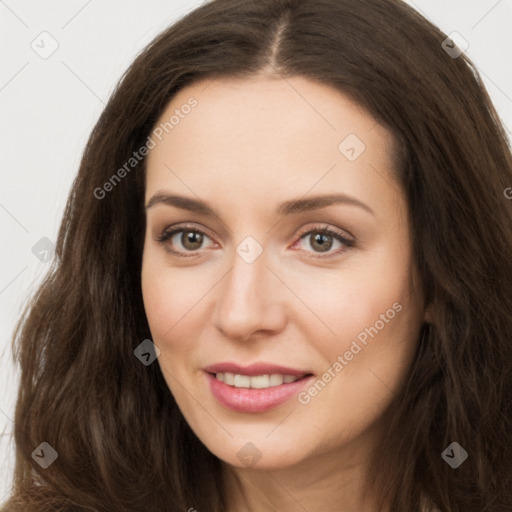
x: 167, y: 292
x: 376, y: 322
x: 166, y: 305
x: 365, y: 362
x: 174, y: 305
x: 370, y: 295
x: 158, y: 302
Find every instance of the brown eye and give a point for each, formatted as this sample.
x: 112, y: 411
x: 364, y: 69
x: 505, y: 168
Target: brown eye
x: 321, y: 241
x: 324, y: 240
x: 191, y: 240
x: 182, y: 240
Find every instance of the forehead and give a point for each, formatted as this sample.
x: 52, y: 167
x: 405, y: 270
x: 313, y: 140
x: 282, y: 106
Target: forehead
x: 292, y: 134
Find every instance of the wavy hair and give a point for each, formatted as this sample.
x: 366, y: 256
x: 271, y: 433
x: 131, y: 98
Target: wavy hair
x: 122, y: 442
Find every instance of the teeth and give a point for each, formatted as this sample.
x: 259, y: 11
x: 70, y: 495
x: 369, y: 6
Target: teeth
x: 256, y: 382
x: 276, y: 380
x: 260, y: 381
x: 242, y: 381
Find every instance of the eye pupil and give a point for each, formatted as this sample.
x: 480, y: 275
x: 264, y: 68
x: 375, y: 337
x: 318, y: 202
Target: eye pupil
x: 192, y: 237
x: 323, y: 240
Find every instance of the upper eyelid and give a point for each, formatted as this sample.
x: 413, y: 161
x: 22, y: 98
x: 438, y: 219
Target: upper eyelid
x: 332, y: 230
x: 322, y: 226
x: 185, y: 227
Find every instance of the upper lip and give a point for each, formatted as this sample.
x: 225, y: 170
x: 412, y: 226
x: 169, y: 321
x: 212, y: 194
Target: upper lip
x: 255, y: 369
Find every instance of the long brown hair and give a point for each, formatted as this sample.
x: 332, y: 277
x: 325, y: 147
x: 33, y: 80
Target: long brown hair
x: 121, y: 440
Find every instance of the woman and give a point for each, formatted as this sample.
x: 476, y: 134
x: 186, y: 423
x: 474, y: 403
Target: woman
x: 283, y: 278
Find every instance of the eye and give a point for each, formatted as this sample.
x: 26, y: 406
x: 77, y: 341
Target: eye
x: 322, y: 239
x: 190, y: 238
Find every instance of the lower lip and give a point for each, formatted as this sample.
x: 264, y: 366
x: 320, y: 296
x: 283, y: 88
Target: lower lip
x: 254, y: 400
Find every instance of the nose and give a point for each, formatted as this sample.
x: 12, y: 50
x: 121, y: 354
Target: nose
x: 250, y: 300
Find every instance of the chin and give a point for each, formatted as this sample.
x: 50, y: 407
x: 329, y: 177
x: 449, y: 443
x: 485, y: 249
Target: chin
x: 259, y: 454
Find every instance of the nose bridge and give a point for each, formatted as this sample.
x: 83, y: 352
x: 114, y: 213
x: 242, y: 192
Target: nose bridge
x: 246, y: 301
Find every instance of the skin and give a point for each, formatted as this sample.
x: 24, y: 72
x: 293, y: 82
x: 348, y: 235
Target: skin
x: 247, y: 146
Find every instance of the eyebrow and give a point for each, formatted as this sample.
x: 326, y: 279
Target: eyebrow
x: 291, y: 207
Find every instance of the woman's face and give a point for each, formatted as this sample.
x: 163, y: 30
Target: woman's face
x: 250, y: 174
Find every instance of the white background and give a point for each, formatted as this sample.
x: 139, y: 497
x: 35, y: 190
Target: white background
x: 49, y: 107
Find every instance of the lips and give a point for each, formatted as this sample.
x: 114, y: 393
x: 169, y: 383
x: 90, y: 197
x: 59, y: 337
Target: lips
x: 255, y: 369
x: 248, y: 399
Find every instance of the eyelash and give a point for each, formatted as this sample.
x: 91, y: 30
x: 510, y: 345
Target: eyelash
x: 322, y: 229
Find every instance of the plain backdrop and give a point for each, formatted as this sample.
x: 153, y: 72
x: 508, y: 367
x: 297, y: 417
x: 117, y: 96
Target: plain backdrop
x: 50, y: 103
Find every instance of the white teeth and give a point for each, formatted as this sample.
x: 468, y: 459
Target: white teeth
x: 242, y: 381
x: 276, y: 380
x: 260, y: 381
x: 256, y: 382
x: 229, y: 378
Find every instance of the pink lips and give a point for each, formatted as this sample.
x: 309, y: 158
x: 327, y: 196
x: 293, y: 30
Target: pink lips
x: 255, y: 369
x: 254, y: 400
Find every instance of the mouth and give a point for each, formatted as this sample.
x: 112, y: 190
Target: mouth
x: 257, y: 392
x: 265, y: 381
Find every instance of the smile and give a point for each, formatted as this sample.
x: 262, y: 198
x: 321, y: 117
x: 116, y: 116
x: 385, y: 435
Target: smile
x: 255, y: 382
x: 254, y: 393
